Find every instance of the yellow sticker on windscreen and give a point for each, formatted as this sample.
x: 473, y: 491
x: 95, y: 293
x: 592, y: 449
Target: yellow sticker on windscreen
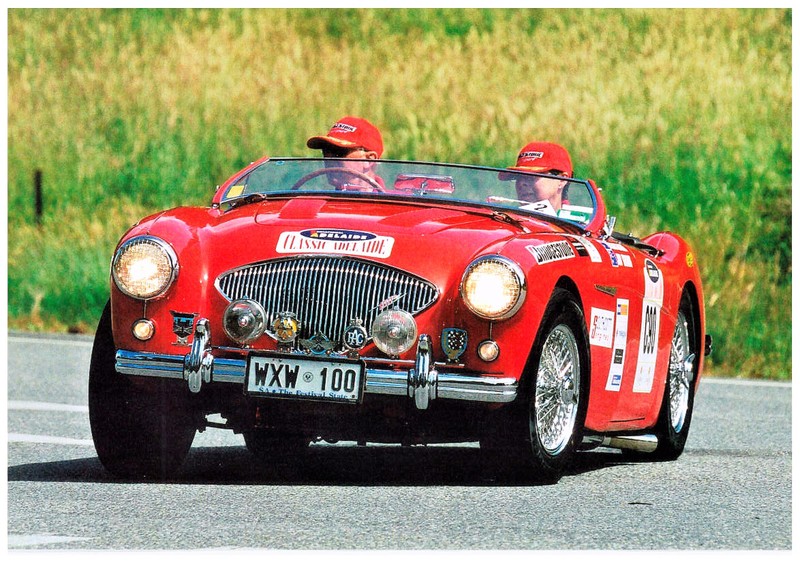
x: 234, y: 191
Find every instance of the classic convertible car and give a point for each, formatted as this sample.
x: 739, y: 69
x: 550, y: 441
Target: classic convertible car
x: 395, y: 302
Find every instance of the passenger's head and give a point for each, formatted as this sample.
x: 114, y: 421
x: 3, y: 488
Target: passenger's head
x: 543, y: 158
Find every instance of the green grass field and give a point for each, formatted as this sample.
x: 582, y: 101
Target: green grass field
x: 682, y: 116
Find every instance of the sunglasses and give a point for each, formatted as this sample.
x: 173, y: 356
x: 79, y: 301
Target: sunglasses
x: 340, y: 152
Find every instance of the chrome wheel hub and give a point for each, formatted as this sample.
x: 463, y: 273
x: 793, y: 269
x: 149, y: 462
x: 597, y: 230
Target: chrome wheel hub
x: 557, y: 390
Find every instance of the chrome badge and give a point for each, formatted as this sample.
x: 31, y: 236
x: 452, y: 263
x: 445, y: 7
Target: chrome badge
x: 285, y: 328
x: 318, y: 344
x: 355, y: 335
x: 182, y: 324
x: 454, y: 343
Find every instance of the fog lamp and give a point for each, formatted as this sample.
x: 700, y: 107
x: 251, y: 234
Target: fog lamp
x: 143, y: 329
x: 394, y: 332
x: 244, y: 320
x: 488, y: 350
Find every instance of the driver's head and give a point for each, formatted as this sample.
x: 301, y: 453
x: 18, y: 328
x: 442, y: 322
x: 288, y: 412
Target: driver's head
x: 350, y: 137
x: 544, y: 158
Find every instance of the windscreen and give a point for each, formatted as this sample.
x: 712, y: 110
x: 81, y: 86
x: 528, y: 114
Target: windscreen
x: 554, y: 196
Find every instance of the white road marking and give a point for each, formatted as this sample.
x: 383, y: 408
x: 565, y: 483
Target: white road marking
x: 15, y: 540
x: 66, y: 341
x: 745, y: 382
x: 35, y: 439
x: 39, y: 406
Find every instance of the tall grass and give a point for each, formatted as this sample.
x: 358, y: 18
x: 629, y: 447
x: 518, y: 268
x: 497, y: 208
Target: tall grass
x: 682, y: 116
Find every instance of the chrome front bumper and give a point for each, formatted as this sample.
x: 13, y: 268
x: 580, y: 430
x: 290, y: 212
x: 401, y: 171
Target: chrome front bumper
x: 423, y: 382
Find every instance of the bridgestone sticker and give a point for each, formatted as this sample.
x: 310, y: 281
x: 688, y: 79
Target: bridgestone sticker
x: 551, y: 252
x: 334, y: 241
x: 648, y: 336
x: 620, y: 343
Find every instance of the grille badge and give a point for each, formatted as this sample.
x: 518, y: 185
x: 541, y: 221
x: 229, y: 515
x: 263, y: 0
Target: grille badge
x: 318, y: 344
x: 355, y: 335
x: 182, y: 324
x: 454, y: 343
x: 285, y: 328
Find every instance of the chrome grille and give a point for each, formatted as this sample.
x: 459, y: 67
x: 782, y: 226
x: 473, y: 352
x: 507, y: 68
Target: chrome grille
x: 327, y: 292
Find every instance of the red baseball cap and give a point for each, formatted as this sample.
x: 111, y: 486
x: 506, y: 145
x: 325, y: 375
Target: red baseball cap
x: 539, y: 156
x: 350, y: 132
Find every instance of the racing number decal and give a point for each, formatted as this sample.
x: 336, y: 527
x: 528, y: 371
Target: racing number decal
x: 648, y: 337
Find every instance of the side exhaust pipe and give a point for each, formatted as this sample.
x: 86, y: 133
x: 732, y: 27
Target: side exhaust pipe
x: 646, y: 443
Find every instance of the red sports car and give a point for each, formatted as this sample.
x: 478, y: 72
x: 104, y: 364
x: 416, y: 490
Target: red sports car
x: 395, y: 302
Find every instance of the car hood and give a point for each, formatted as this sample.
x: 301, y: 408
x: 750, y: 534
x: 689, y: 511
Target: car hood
x: 430, y: 240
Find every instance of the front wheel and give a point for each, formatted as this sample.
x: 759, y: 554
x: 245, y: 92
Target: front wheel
x: 675, y: 415
x: 544, y: 428
x: 139, y: 430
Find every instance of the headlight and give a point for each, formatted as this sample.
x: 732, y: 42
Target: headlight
x: 144, y: 267
x: 493, y: 287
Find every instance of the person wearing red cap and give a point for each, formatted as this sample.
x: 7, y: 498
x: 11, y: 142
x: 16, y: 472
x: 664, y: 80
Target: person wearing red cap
x: 351, y: 138
x: 545, y: 158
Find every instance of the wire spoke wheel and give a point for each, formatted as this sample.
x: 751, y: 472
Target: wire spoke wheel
x: 557, y: 392
x: 681, y: 369
x: 675, y: 415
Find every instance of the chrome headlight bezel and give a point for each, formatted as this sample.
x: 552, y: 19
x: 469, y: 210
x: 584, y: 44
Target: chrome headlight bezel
x: 510, y: 277
x: 164, y: 254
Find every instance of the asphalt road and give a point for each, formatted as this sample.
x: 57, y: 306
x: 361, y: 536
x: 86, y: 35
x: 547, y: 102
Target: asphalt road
x: 731, y: 489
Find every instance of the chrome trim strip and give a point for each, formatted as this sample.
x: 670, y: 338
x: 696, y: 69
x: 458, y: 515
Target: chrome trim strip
x: 380, y: 381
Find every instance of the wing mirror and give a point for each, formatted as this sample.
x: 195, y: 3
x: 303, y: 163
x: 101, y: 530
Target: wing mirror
x: 608, y: 226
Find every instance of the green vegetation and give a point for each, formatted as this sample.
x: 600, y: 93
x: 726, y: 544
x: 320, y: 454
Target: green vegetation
x: 682, y: 116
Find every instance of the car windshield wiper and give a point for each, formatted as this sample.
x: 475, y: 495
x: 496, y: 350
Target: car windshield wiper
x: 246, y: 199
x: 506, y: 218
x: 638, y: 243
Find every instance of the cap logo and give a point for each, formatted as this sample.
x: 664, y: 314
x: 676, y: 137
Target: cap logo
x: 531, y: 154
x: 343, y: 127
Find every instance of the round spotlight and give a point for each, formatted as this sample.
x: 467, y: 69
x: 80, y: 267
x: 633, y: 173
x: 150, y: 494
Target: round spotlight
x: 488, y: 350
x: 394, y: 332
x: 244, y: 320
x: 143, y: 329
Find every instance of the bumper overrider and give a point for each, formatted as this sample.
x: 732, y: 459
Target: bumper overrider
x: 423, y: 381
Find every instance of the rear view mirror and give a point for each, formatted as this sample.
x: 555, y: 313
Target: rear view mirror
x: 421, y: 184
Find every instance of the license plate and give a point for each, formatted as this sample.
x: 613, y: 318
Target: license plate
x: 313, y: 379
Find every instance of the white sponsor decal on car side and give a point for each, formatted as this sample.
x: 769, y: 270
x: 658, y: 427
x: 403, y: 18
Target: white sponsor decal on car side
x: 551, y: 252
x: 618, y: 254
x: 331, y: 241
x: 648, y: 336
x: 620, y: 344
x: 585, y: 247
x: 601, y: 327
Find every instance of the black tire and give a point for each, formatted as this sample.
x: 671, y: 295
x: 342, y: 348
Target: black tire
x: 141, y: 430
x: 269, y: 445
x: 527, y: 438
x: 675, y: 416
